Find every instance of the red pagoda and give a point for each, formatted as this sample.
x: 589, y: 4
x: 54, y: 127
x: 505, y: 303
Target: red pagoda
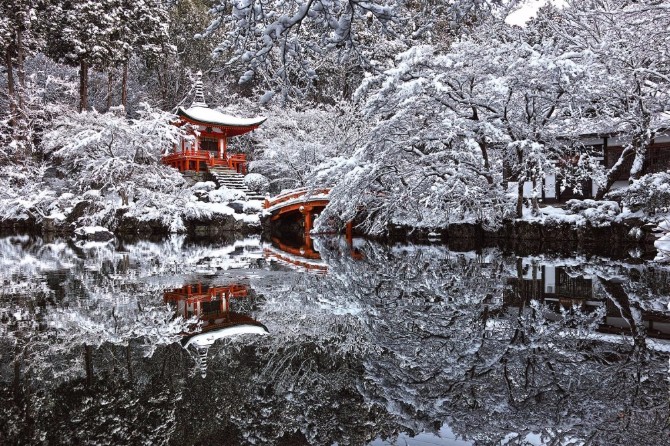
x: 209, y: 131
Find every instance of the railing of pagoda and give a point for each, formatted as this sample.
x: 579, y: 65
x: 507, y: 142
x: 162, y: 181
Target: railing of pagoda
x: 183, y: 160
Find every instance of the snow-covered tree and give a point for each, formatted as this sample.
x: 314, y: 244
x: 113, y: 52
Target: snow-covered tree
x: 104, y: 34
x: 144, y: 29
x: 20, y: 36
x: 277, y: 39
x: 296, y: 144
x: 113, y: 154
x: 629, y: 54
x: 448, y: 120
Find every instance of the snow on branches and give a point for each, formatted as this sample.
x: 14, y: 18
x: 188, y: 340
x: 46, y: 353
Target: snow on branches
x: 113, y: 154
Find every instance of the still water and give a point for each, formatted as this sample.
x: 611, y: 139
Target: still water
x: 250, y: 342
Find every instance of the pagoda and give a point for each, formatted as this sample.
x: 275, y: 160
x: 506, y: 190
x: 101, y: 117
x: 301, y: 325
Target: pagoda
x: 206, y: 146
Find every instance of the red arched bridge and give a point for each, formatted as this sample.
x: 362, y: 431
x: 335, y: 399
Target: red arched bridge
x: 306, y: 201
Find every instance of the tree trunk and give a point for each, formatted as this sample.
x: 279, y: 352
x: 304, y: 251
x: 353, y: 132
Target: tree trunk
x: 485, y: 156
x: 519, y: 198
x: 124, y: 86
x: 535, y: 203
x: 11, y: 92
x: 640, y: 144
x: 88, y: 360
x: 83, y: 85
x: 614, y: 173
x: 110, y: 80
x: 521, y: 178
x: 21, y: 70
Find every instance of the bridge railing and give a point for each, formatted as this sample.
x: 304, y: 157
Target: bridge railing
x: 294, y: 194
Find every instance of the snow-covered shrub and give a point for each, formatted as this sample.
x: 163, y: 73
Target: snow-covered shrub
x: 225, y: 195
x: 111, y: 162
x: 257, y: 182
x: 204, y: 186
x: 597, y: 213
x: 651, y: 193
x: 23, y: 196
x: 663, y: 243
x: 111, y: 153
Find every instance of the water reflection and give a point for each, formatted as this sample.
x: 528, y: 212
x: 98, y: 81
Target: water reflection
x: 304, y: 254
x: 213, y: 308
x: 301, y: 257
x: 390, y: 345
x: 562, y: 288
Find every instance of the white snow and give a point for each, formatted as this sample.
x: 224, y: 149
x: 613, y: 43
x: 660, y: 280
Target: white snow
x: 88, y: 230
x: 210, y: 337
x: 211, y: 116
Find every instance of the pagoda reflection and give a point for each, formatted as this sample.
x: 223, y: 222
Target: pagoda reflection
x: 214, y: 307
x: 562, y: 288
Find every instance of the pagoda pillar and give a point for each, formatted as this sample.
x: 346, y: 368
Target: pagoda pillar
x: 221, y: 148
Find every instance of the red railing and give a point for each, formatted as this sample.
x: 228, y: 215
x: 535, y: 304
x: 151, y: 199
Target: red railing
x: 292, y: 195
x: 237, y: 162
x: 196, y: 292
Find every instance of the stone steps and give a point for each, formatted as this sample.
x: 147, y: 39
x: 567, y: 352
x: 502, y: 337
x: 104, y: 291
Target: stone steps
x: 226, y: 177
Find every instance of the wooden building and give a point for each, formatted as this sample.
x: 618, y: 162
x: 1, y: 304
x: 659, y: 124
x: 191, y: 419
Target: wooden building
x: 209, y: 133
x: 605, y: 148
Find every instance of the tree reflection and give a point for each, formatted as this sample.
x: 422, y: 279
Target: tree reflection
x: 391, y: 339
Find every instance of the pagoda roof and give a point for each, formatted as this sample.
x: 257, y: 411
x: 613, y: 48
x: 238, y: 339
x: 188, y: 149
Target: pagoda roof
x: 232, y: 125
x: 207, y: 338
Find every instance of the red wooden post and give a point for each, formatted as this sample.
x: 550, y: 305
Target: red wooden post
x: 350, y: 232
x: 308, y: 220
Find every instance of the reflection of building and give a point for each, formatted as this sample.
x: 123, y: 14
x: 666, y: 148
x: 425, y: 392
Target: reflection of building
x: 552, y: 285
x: 557, y: 289
x: 212, y: 305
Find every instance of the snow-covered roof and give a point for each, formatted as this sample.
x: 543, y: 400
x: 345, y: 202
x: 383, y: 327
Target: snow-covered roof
x: 207, y: 338
x: 206, y: 115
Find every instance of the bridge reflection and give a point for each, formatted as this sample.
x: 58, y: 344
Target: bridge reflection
x: 302, y: 254
x: 213, y: 308
x: 561, y: 289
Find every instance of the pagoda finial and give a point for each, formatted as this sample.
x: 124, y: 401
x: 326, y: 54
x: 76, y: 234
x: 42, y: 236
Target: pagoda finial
x: 199, y: 100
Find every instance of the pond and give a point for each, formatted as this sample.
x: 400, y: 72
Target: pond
x: 331, y: 342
